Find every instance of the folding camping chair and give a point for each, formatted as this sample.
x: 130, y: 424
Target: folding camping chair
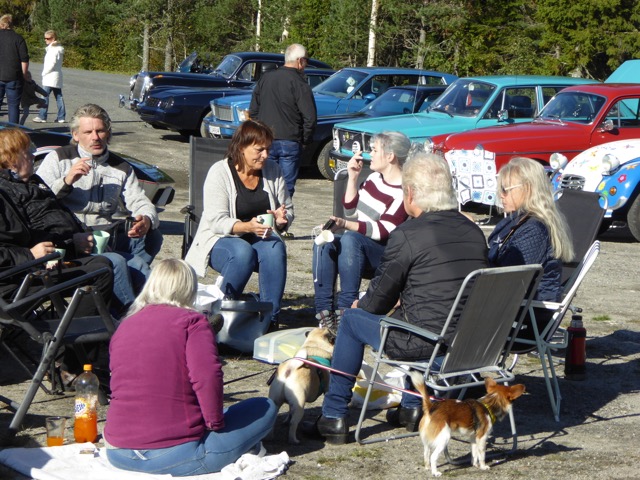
x: 483, y: 312
x: 552, y: 337
x: 340, y: 187
x: 583, y: 212
x: 203, y: 153
x: 50, y: 328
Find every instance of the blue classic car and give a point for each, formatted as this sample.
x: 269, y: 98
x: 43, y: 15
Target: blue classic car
x: 240, y: 69
x: 182, y: 109
x: 405, y: 99
x: 467, y: 103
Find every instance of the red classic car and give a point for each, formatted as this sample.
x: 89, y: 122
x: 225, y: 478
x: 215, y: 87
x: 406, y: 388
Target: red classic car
x: 575, y: 119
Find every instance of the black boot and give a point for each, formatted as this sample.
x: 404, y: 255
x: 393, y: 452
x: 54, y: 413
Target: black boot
x: 408, y: 418
x: 334, y: 430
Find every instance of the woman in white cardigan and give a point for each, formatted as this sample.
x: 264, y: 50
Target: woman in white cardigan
x: 52, y: 76
x: 232, y: 238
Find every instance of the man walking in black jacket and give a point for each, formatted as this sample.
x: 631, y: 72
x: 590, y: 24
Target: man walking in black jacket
x: 283, y: 100
x: 14, y: 64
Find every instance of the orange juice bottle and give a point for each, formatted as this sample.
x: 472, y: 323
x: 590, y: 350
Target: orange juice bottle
x: 85, y: 428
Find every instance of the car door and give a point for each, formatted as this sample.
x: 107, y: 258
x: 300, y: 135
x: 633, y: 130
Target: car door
x: 624, y: 115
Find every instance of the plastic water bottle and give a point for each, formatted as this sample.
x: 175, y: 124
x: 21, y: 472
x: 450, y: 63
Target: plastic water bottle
x: 85, y: 428
x: 576, y: 354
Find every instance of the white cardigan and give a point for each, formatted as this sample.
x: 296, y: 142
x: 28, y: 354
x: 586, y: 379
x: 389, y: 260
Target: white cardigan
x: 219, y: 208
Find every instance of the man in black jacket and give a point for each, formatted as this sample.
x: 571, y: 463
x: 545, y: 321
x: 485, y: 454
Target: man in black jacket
x: 14, y: 64
x: 423, y: 266
x: 283, y: 100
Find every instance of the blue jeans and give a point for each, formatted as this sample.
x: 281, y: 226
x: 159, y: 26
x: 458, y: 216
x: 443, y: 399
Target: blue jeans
x: 246, y: 424
x: 122, y: 285
x: 286, y: 153
x: 357, y: 329
x: 350, y: 255
x: 57, y: 93
x: 13, y: 90
x: 237, y: 258
x: 139, y: 253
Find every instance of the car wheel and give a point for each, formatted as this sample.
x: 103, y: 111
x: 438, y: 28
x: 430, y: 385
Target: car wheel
x: 633, y: 218
x: 323, y: 161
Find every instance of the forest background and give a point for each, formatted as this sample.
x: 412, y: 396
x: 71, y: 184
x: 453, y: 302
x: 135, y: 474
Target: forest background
x: 587, y: 38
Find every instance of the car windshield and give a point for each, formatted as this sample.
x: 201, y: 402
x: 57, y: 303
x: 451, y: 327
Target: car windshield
x: 185, y: 65
x: 340, y: 84
x: 465, y: 98
x: 572, y: 107
x: 228, y: 66
x: 395, y: 101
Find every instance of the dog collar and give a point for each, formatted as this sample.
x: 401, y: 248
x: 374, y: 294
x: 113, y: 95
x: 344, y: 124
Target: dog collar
x: 322, y: 361
x: 491, y: 415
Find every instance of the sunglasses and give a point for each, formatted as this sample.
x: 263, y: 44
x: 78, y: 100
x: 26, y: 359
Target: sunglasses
x: 48, y: 38
x: 505, y: 190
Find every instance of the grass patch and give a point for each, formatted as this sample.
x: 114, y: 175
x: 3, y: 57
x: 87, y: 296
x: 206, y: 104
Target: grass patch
x: 601, y: 318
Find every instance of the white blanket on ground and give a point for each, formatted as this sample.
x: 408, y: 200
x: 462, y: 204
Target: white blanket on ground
x: 67, y: 463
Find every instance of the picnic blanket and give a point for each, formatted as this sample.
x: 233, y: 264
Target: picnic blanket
x: 67, y: 463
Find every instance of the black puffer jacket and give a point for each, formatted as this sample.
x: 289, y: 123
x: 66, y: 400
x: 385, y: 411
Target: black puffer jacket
x: 424, y: 265
x: 30, y: 214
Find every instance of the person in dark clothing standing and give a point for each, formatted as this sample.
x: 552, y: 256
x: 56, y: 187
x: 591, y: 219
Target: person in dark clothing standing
x: 423, y: 266
x: 283, y: 100
x: 14, y: 64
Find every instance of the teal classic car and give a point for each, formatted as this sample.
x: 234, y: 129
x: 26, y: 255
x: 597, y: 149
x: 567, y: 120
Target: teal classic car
x: 468, y: 103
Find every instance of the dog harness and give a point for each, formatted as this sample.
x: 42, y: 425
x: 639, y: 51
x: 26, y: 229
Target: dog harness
x: 325, y: 363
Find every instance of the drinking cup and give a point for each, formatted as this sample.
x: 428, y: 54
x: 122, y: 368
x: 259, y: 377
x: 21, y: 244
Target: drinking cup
x: 55, y: 431
x: 266, y: 219
x: 100, y: 239
x: 325, y: 236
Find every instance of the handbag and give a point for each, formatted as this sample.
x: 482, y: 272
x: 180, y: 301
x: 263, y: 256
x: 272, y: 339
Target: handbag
x: 244, y: 321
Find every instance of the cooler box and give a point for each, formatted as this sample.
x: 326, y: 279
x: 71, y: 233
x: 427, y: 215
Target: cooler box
x: 276, y: 347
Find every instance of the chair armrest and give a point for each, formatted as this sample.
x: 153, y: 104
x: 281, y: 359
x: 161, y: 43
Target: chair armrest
x: 546, y: 305
x: 46, y: 292
x: 28, y: 265
x: 386, y: 322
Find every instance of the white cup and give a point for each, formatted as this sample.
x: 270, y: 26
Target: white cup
x: 100, y: 239
x: 53, y: 263
x: 266, y: 219
x: 325, y: 236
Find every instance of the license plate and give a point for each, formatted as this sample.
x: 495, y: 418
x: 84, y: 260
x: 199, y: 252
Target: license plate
x: 213, y: 130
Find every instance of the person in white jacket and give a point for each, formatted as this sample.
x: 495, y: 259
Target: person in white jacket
x: 52, y: 76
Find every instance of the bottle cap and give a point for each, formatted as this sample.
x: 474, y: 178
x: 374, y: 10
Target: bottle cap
x: 87, y: 367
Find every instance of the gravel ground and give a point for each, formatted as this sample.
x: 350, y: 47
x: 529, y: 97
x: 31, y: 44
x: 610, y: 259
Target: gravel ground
x: 598, y: 428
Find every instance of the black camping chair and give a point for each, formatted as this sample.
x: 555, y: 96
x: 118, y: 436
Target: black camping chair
x: 204, y: 152
x: 49, y: 321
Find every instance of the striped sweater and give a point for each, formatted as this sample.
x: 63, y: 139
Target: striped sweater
x: 378, y: 208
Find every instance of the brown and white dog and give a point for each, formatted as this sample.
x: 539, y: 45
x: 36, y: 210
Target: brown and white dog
x: 297, y: 382
x: 471, y: 418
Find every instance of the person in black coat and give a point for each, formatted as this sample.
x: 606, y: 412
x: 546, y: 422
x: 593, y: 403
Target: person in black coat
x: 423, y: 266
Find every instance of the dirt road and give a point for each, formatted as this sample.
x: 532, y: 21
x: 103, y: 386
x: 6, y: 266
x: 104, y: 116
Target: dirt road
x: 597, y: 435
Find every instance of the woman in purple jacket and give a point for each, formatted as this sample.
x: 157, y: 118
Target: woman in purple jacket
x: 166, y: 414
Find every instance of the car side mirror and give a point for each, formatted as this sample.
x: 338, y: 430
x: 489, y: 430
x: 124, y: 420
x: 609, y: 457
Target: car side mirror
x: 503, y: 115
x: 369, y: 97
x: 607, y: 125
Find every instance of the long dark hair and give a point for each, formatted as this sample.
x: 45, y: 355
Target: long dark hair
x: 250, y: 132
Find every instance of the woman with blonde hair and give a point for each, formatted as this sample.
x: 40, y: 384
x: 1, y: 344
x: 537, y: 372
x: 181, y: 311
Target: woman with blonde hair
x: 533, y: 230
x: 171, y: 420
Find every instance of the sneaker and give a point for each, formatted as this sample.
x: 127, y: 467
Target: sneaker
x: 287, y: 235
x: 327, y: 319
x: 39, y: 120
x: 60, y: 121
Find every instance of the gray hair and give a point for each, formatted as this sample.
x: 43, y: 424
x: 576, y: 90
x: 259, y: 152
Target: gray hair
x: 430, y: 180
x: 172, y: 282
x: 6, y: 22
x: 294, y: 52
x: 394, y: 142
x: 90, y: 110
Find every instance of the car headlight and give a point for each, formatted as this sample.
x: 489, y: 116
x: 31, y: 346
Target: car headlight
x: 336, y: 140
x: 132, y: 80
x: 242, y: 113
x: 610, y: 163
x: 558, y: 161
x: 167, y: 103
x: 428, y: 145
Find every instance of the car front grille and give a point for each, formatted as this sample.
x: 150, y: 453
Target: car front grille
x: 223, y: 113
x: 152, y: 102
x: 573, y: 182
x: 354, y: 141
x: 137, y: 96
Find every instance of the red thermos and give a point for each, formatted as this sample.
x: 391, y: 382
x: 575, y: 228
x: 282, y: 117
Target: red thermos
x: 576, y: 355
